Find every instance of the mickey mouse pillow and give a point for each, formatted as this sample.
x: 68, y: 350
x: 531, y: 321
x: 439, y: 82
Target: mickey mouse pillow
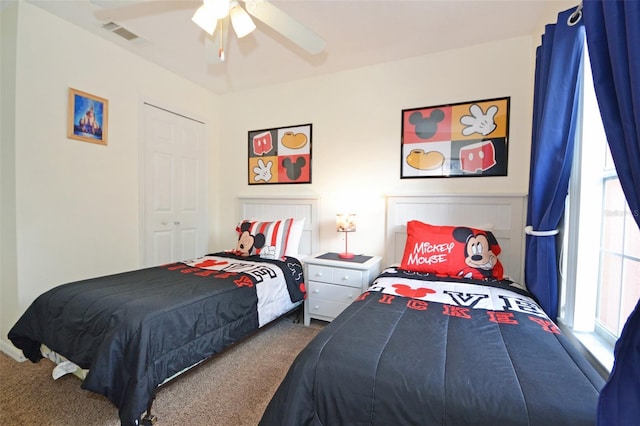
x: 266, y: 239
x: 454, y: 251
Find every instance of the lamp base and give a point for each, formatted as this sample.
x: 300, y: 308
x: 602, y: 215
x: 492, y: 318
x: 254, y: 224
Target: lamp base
x: 346, y: 255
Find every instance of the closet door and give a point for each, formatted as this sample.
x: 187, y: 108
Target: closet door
x: 174, y: 189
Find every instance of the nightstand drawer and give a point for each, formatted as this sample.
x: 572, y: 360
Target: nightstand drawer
x: 325, y: 308
x: 332, y: 292
x: 341, y: 276
x: 333, y: 283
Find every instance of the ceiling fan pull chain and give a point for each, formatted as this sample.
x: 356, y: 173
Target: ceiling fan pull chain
x: 221, y: 49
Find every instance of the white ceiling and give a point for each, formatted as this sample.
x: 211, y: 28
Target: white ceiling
x: 357, y: 33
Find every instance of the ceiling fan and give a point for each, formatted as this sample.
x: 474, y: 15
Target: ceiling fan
x: 216, y: 16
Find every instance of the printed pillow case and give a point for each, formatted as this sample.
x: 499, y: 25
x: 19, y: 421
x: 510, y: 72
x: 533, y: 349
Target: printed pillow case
x: 276, y: 236
x: 453, y: 251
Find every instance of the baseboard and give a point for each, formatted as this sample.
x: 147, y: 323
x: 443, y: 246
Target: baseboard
x: 12, y: 351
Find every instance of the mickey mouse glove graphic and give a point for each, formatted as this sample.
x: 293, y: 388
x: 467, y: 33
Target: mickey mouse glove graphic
x: 262, y: 171
x: 268, y: 252
x: 478, y: 121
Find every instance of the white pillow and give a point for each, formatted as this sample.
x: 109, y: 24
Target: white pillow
x: 295, y: 234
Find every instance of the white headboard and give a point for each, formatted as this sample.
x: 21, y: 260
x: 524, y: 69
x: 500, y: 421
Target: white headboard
x: 505, y: 213
x: 273, y: 208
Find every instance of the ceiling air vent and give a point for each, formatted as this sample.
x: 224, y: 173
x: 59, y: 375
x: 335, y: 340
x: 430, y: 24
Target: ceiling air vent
x: 122, y: 32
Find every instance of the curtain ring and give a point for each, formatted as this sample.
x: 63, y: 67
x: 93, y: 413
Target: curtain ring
x: 529, y: 231
x: 575, y: 17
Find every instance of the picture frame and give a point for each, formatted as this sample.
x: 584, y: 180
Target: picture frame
x: 280, y: 155
x: 465, y: 139
x: 87, y: 117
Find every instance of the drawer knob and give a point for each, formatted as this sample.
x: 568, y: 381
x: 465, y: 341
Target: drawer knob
x: 316, y: 307
x: 345, y: 278
x: 316, y: 291
x: 350, y: 296
x: 319, y: 274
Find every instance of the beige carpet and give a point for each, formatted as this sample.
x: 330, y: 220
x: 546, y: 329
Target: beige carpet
x: 230, y: 390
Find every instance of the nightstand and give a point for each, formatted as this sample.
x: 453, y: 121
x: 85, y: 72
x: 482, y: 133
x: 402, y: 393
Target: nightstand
x: 333, y: 283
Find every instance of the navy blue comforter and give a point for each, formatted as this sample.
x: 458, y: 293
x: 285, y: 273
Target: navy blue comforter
x: 136, y: 329
x: 414, y: 351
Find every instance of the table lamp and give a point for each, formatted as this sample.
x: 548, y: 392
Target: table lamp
x: 346, y: 223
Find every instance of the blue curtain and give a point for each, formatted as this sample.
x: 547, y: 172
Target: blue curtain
x: 555, y: 105
x: 613, y: 38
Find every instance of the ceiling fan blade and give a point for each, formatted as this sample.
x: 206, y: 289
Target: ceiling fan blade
x: 213, y: 44
x: 116, y: 3
x: 128, y: 9
x: 287, y: 26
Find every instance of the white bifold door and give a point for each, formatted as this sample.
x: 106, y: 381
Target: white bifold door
x: 174, y: 187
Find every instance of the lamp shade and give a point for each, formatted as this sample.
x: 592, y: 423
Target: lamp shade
x: 219, y: 8
x: 241, y: 21
x: 346, y: 222
x: 205, y: 19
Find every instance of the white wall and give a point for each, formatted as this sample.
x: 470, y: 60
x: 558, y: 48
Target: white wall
x: 77, y: 203
x: 356, y: 118
x: 9, y: 292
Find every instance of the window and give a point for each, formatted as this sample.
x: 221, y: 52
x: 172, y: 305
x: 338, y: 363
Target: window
x: 601, y: 243
x: 618, y: 288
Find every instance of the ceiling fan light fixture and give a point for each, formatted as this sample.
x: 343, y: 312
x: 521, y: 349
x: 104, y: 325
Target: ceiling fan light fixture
x: 240, y: 19
x: 219, y: 8
x: 205, y: 19
x: 251, y: 5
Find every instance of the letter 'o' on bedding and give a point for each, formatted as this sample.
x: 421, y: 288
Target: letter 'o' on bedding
x: 455, y: 251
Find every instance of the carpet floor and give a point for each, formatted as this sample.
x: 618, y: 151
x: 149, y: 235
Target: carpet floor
x: 232, y: 389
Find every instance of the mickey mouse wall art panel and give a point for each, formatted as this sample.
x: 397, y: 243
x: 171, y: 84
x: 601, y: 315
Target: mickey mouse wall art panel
x: 456, y: 140
x: 280, y: 155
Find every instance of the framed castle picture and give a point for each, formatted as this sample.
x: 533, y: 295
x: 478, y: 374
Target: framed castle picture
x: 466, y: 139
x: 280, y: 155
x: 87, y: 117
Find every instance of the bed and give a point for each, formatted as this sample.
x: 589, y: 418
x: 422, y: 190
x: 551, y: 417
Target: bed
x: 127, y: 334
x: 438, y: 339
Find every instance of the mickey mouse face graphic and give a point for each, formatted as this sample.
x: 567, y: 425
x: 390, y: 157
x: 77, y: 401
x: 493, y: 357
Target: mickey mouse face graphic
x: 246, y: 241
x: 477, y: 250
x: 426, y: 127
x: 294, y: 168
